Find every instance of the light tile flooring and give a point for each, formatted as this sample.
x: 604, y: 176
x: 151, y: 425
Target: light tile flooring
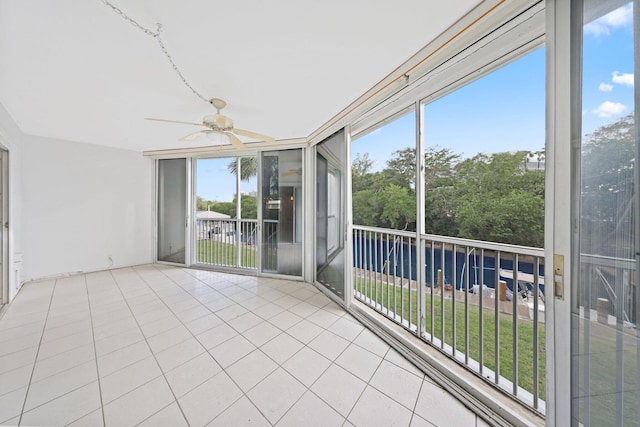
x: 162, y: 346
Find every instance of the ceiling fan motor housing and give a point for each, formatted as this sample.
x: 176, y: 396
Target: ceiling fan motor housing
x: 218, y: 121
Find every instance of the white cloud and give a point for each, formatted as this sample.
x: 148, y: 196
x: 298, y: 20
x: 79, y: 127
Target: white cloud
x: 620, y: 17
x: 605, y: 87
x: 623, y: 79
x: 609, y: 109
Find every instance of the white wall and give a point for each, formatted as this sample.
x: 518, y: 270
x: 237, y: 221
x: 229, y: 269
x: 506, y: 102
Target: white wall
x: 82, y: 204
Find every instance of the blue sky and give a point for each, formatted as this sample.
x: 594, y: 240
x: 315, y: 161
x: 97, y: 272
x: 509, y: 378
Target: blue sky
x: 214, y: 182
x: 503, y: 111
x: 608, y: 69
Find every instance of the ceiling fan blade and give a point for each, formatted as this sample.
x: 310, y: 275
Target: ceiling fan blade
x: 194, y: 135
x: 253, y: 135
x: 174, y: 121
x: 235, y: 141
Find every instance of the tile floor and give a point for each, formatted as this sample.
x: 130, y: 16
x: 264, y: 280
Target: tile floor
x: 163, y: 346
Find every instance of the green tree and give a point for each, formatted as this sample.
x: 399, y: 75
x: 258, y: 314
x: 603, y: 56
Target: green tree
x: 515, y: 218
x: 248, y: 167
x: 201, y: 204
x: 398, y: 206
x: 227, y: 208
x: 490, y: 197
x: 365, y: 210
x: 401, y: 168
x: 392, y: 207
x: 362, y: 164
x: 607, y: 188
x: 249, y: 207
x: 361, y: 178
x: 439, y: 177
x: 498, y: 200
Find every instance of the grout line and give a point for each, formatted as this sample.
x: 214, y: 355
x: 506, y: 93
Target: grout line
x: 368, y: 382
x: 63, y: 352
x: 281, y: 365
x: 147, y: 342
x: 26, y: 362
x: 224, y: 370
x: 35, y: 360
x: 415, y: 405
x: 157, y: 412
x: 63, y: 370
x: 62, y: 395
x: 95, y: 351
x: 309, y: 387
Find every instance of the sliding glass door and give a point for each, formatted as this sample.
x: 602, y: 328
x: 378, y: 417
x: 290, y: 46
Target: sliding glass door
x: 248, y: 213
x: 330, y: 207
x: 172, y: 210
x: 605, y: 345
x: 282, y: 212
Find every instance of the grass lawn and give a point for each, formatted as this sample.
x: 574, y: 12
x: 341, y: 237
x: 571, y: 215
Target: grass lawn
x: 402, y: 300
x: 220, y: 253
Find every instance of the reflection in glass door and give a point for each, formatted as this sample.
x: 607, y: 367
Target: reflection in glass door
x: 282, y: 218
x: 172, y: 214
x: 605, y: 340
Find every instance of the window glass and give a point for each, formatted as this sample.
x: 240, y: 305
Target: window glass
x: 484, y: 157
x: 223, y: 239
x: 383, y: 176
x: 605, y: 368
x: 172, y: 202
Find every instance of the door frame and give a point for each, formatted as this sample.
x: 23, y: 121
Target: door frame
x: 559, y: 195
x: 4, y: 223
x: 189, y: 212
x: 343, y: 164
x: 304, y: 223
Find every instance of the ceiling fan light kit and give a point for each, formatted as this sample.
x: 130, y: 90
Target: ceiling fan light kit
x: 217, y: 138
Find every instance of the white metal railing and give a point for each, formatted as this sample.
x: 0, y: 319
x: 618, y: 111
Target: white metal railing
x: 270, y: 245
x: 466, y: 304
x: 227, y: 242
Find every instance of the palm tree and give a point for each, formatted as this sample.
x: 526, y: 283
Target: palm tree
x: 248, y: 167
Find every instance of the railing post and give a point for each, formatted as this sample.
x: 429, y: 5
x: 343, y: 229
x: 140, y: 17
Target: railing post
x: 499, y: 295
x: 238, y: 213
x: 420, y: 222
x: 514, y: 320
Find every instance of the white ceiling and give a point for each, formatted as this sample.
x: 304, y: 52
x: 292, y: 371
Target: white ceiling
x: 75, y: 70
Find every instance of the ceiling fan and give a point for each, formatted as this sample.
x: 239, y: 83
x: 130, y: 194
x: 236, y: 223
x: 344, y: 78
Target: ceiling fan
x: 219, y: 124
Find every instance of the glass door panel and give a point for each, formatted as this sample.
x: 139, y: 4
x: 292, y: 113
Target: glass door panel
x: 225, y: 224
x: 330, y: 254
x: 4, y: 238
x: 172, y: 214
x: 282, y: 212
x: 321, y: 211
x: 605, y: 341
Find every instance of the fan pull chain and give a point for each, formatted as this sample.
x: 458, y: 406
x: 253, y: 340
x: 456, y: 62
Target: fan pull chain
x: 156, y: 35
